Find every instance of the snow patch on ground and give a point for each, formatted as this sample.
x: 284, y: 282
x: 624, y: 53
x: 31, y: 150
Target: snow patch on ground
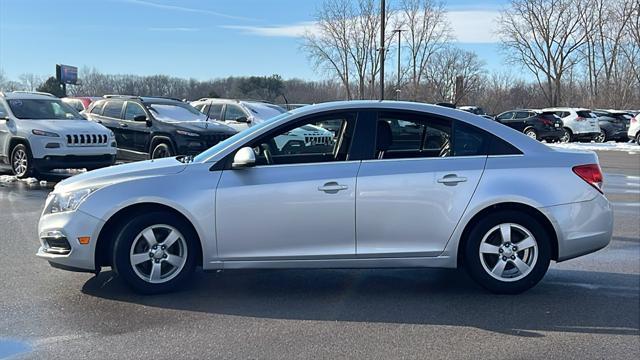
x: 630, y: 147
x: 5, y: 179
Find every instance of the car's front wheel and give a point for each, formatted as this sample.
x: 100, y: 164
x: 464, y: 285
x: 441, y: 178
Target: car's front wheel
x: 161, y: 150
x: 155, y: 252
x: 567, y: 136
x: 507, y: 252
x: 21, y: 161
x: 531, y: 133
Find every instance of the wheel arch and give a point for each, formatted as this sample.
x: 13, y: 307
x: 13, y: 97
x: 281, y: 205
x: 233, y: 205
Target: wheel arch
x: 509, y: 206
x: 15, y: 140
x: 106, y: 237
x: 156, y: 139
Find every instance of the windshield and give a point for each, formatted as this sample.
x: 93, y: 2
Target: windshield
x: 223, y: 144
x: 264, y: 111
x: 43, y: 109
x: 176, y: 112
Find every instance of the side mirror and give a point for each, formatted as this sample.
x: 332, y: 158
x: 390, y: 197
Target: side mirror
x: 4, y: 118
x: 242, y: 119
x: 245, y: 157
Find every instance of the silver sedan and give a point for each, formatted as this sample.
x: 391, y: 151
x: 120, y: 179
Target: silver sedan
x: 396, y: 185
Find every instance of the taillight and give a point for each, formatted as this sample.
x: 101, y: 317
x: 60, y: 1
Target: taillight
x: 545, y: 121
x: 590, y: 173
x: 634, y: 119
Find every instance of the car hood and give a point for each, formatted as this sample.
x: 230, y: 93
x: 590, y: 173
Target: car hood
x: 64, y: 126
x: 121, y: 173
x: 204, y: 126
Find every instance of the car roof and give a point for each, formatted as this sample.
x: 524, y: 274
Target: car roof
x: 27, y: 95
x: 565, y: 108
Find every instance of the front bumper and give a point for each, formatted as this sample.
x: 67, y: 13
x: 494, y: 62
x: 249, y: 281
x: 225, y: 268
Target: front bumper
x: 582, y: 227
x: 73, y: 225
x: 73, y: 162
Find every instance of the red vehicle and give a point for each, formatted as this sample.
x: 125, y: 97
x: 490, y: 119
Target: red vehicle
x: 80, y: 103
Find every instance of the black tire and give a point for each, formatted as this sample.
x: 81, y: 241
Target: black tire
x: 601, y: 138
x: 130, y: 233
x: 567, y: 137
x: 531, y: 132
x: 22, y: 162
x: 161, y: 150
x: 472, y: 258
x: 638, y: 138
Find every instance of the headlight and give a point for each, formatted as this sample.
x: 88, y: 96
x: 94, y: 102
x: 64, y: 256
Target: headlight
x: 187, y: 133
x: 44, y: 133
x: 69, y: 201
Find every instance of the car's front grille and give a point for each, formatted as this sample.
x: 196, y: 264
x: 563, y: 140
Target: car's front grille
x: 87, y: 140
x: 312, y: 139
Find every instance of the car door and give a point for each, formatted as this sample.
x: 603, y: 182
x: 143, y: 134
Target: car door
x: 137, y: 131
x: 413, y: 191
x: 111, y: 117
x: 298, y: 202
x: 4, y: 134
x: 235, y: 117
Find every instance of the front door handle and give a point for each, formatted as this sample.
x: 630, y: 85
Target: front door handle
x: 123, y: 125
x: 332, y: 187
x: 451, y: 179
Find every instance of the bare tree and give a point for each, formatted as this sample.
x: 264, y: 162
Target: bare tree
x: 426, y: 32
x: 30, y: 81
x: 447, y: 66
x: 544, y: 36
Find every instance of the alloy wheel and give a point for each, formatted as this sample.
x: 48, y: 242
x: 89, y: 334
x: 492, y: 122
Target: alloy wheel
x: 566, y: 137
x: 158, y: 253
x: 161, y: 151
x: 508, y: 252
x: 601, y: 137
x: 532, y: 134
x: 20, y: 162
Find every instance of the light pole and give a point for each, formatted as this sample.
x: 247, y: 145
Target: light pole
x: 382, y: 49
x: 399, y: 32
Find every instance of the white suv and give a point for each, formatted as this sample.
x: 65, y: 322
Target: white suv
x: 579, y: 124
x: 239, y: 114
x: 39, y: 133
x: 634, y: 129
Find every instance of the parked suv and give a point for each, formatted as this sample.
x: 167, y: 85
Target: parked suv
x: 39, y: 133
x: 540, y: 125
x: 579, y: 124
x: 151, y: 127
x: 239, y: 114
x: 613, y: 125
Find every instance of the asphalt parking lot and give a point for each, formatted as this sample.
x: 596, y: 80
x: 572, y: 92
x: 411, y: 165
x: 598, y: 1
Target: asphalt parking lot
x: 584, y: 308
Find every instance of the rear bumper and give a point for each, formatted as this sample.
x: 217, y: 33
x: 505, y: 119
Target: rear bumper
x: 582, y: 227
x: 73, y: 162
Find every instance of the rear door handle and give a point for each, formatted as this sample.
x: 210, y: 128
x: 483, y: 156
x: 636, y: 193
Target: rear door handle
x: 123, y: 125
x: 452, y: 179
x: 332, y: 187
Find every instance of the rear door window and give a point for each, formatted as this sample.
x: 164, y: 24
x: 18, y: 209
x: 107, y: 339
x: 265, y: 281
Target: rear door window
x: 133, y: 110
x: 113, y: 109
x: 214, y: 111
x: 522, y: 114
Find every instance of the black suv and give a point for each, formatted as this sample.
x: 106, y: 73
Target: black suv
x: 152, y: 127
x: 613, y: 125
x: 537, y: 124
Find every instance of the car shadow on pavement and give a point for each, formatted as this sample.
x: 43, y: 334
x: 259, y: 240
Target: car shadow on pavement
x: 565, y: 301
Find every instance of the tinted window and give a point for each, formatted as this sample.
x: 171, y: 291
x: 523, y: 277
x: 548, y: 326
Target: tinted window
x: 469, y: 140
x: 522, y: 114
x: 214, y: 111
x: 410, y: 135
x: 113, y: 109
x: 585, y: 114
x: 97, y: 108
x: 505, y: 116
x: 133, y: 110
x: 233, y: 112
x: 306, y: 142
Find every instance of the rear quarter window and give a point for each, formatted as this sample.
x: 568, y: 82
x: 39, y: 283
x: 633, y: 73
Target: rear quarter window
x: 471, y: 141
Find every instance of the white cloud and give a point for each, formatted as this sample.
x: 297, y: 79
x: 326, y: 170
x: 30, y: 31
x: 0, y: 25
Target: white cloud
x: 474, y: 26
x: 469, y: 26
x: 293, y: 30
x: 185, y: 9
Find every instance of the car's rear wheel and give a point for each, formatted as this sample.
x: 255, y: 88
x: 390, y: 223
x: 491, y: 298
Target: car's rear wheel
x: 600, y: 138
x: 155, y: 253
x: 507, y: 252
x: 161, y: 150
x: 638, y: 138
x: 567, y: 136
x: 21, y: 161
x: 531, y: 133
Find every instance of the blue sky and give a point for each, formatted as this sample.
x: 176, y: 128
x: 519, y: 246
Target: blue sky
x: 202, y: 39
